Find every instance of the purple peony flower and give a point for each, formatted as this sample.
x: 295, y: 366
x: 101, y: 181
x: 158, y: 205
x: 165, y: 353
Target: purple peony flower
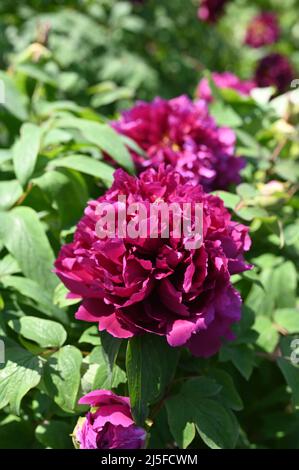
x: 276, y: 70
x: 109, y: 425
x: 157, y: 285
x: 262, y: 30
x: 224, y: 80
x: 181, y: 133
x: 211, y: 10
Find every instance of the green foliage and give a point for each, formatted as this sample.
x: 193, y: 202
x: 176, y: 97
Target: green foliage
x: 150, y: 365
x: 197, y: 404
x: 22, y: 372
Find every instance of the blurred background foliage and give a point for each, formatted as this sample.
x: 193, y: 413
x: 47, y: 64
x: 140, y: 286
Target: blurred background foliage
x: 124, y: 49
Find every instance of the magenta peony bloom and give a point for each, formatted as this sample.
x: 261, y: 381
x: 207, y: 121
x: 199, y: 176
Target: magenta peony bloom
x: 109, y: 425
x: 262, y: 30
x: 224, y: 80
x: 276, y: 70
x: 156, y: 285
x: 181, y: 133
x: 211, y: 10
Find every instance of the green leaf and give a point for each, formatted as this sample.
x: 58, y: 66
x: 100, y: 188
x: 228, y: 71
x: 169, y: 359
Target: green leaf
x: 56, y: 136
x: 87, y: 165
x: 111, y: 347
x: 150, y: 364
x: 46, y: 333
x: 253, y: 276
x: 31, y: 290
x: 225, y: 115
x: 21, y: 373
x: 284, y: 285
x: 103, y: 371
x: 60, y: 298
x: 228, y: 393
x: 62, y: 377
x: 250, y: 213
x: 160, y: 436
x: 288, y: 318
x: 230, y: 200
x: 102, y: 374
x: 55, y: 434
x: 10, y: 192
x: 23, y: 235
x: 216, y: 425
x: 291, y: 234
x: 132, y: 145
x: 202, y: 387
x: 241, y: 355
x: 108, y: 97
x: 37, y: 73
x: 288, y: 170
x: 246, y: 191
x: 25, y: 152
x: 15, y: 433
x: 268, y: 335
x: 280, y: 283
x: 67, y: 190
x: 91, y: 336
x: 104, y: 137
x: 180, y: 421
x: 8, y: 265
x: 13, y: 101
x: 5, y: 156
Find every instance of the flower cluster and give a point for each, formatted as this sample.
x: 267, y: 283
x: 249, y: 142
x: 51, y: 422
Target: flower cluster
x: 272, y: 70
x: 224, y: 80
x: 109, y: 424
x: 181, y: 133
x: 130, y: 287
x: 211, y: 10
x: 262, y: 30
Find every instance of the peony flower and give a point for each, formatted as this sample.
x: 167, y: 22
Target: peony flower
x: 262, y: 30
x: 181, y: 133
x: 211, y: 10
x: 276, y: 70
x: 224, y: 80
x: 157, y: 285
x: 109, y: 425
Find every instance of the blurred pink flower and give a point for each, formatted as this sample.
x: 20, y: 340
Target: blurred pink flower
x: 274, y: 69
x: 182, y: 133
x: 211, y: 10
x: 224, y: 80
x: 262, y: 30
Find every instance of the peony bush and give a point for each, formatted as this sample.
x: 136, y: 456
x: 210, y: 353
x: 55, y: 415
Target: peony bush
x: 146, y: 336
